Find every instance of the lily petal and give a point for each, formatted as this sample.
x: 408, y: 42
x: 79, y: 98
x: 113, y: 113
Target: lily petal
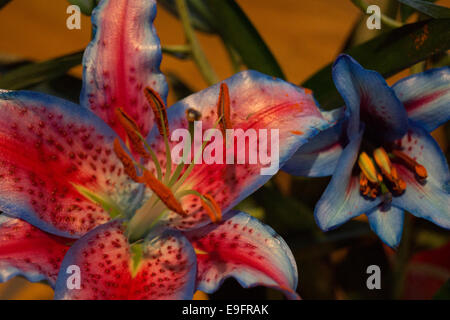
x: 319, y: 156
x: 257, y: 102
x: 426, y: 97
x: 122, y: 59
x: 27, y: 251
x: 387, y: 224
x: 370, y: 99
x: 342, y: 200
x: 109, y: 270
x: 47, y: 147
x: 243, y: 248
x: 429, y: 200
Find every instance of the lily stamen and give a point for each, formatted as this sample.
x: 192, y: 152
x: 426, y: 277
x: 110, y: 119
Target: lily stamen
x: 127, y: 161
x: 210, y: 205
x: 223, y: 108
x: 363, y: 184
x: 159, y: 110
x: 389, y: 171
x: 368, y: 167
x: 133, y: 133
x: 209, y: 211
x: 139, y: 145
x: 367, y: 188
x: 411, y: 164
x: 216, y: 207
x: 382, y: 159
x: 163, y: 192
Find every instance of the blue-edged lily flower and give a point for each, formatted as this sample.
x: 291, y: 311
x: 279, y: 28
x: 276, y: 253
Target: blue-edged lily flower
x: 380, y: 154
x: 91, y: 200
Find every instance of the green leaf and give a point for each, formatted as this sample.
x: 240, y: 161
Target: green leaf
x: 407, y: 11
x: 34, y: 73
x: 443, y: 293
x: 388, y: 54
x: 178, y: 87
x: 4, y: 3
x: 284, y: 212
x: 237, y: 30
x: 430, y: 9
x: 86, y: 6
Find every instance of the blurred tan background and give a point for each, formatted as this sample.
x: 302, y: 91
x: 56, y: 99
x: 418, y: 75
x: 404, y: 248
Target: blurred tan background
x: 304, y: 35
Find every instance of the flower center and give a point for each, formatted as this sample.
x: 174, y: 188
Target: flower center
x: 378, y: 175
x: 167, y: 188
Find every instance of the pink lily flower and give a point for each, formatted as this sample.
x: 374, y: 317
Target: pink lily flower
x: 133, y: 223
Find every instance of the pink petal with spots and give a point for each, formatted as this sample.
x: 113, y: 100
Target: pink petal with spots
x: 27, y: 251
x: 47, y: 145
x: 123, y: 59
x: 166, y: 270
x: 244, y: 248
x: 258, y: 102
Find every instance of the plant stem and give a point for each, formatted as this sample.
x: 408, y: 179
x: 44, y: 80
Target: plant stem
x: 401, y: 259
x: 236, y: 61
x: 197, y: 52
x: 181, y: 51
x: 385, y: 19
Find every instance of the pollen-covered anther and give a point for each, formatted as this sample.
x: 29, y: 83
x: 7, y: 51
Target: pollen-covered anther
x: 367, y: 188
x: 421, y: 171
x: 126, y: 160
x: 223, y: 108
x: 411, y: 164
x: 368, y: 167
x: 133, y: 133
x: 382, y: 159
x: 159, y: 110
x: 389, y: 171
x: 363, y: 184
x: 163, y: 192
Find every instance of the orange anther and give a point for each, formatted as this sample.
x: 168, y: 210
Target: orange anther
x: 382, y: 159
x: 163, y: 192
x: 159, y: 110
x: 368, y: 167
x: 411, y: 164
x: 126, y: 160
x: 132, y: 130
x: 363, y: 180
x: 380, y: 177
x: 401, y: 185
x: 223, y: 108
x: 421, y: 171
x: 394, y: 172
